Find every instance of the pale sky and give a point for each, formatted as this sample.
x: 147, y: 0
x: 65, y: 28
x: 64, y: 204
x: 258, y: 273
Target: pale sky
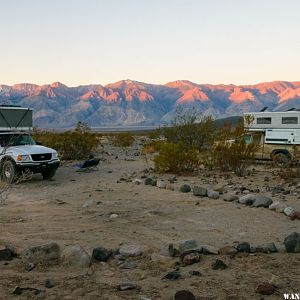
x: 155, y: 41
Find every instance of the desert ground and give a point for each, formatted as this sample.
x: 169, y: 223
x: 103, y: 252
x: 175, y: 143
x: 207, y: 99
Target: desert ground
x: 111, y: 206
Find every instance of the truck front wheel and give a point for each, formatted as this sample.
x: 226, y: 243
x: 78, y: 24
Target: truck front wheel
x: 9, y: 172
x: 48, y: 174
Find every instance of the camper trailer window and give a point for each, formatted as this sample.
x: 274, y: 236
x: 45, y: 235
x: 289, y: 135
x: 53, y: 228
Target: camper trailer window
x: 289, y: 120
x: 264, y: 120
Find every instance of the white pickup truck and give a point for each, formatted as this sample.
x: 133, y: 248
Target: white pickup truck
x: 18, y: 151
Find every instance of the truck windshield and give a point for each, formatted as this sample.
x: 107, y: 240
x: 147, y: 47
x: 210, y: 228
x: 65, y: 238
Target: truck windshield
x: 16, y: 140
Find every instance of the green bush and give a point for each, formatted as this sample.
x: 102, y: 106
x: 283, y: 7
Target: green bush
x: 77, y: 144
x: 125, y: 139
x: 174, y: 158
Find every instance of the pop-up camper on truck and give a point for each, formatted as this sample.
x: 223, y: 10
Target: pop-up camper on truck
x: 277, y: 134
x: 18, y: 151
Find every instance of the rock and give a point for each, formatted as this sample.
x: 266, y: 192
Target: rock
x: 125, y: 286
x: 262, y: 201
x: 227, y: 250
x: 173, y: 275
x: 277, y: 206
x: 101, y: 254
x: 19, y: 290
x: 76, y: 256
x: 131, y: 250
x: 145, y: 298
x: 272, y: 247
x: 288, y: 211
x: 265, y: 288
x: 243, y: 247
x: 219, y: 187
x: 161, y: 184
x: 219, y: 265
x: 247, y: 199
x: 170, y: 187
x: 29, y: 266
x: 185, y: 188
x: 200, y: 191
x: 187, y: 246
x: 88, y: 203
x: 43, y: 253
x: 49, y: 283
x: 5, y: 255
x: 230, y: 197
x: 148, y: 181
x: 292, y: 243
x: 213, y: 194
x: 295, y: 215
x: 190, y: 258
x: 184, y: 295
x: 12, y: 249
x: 128, y: 265
x: 154, y: 182
x: 194, y: 273
x: 161, y: 259
x: 137, y: 181
x: 207, y: 249
x: 113, y: 216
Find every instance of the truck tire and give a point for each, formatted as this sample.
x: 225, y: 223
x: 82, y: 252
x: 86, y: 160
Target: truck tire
x: 281, y: 159
x: 8, y: 171
x: 48, y: 174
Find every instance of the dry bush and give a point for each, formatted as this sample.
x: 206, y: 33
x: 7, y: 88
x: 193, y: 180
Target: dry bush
x: 230, y: 151
x: 174, y: 158
x: 77, y: 144
x: 152, y: 147
x: 192, y: 129
x: 125, y: 139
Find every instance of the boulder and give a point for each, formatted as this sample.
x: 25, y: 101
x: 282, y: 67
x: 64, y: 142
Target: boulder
x: 292, y: 243
x: 161, y: 184
x: 207, y: 249
x: 243, y: 247
x: 76, y: 256
x: 227, y: 250
x: 188, y: 246
x: 213, y: 194
x: 191, y: 258
x: 131, y: 250
x: 262, y: 201
x: 184, y: 295
x: 185, y: 188
x: 265, y: 288
x: 148, y: 181
x: 200, y: 191
x: 101, y: 254
x: 247, y: 199
x: 43, y: 253
x: 288, y: 211
x: 230, y: 197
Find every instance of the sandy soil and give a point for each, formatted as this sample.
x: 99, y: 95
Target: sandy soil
x: 37, y: 211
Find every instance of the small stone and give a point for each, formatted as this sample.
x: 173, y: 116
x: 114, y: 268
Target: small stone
x: 265, y: 288
x: 292, y: 243
x: 288, y: 211
x: 161, y: 184
x: 191, y: 258
x: 230, y: 197
x: 29, y: 266
x: 194, y: 273
x: 173, y: 275
x: 88, y: 203
x: 128, y: 265
x: 49, y: 283
x: 148, y: 181
x: 200, y: 191
x: 219, y: 265
x: 295, y: 215
x: 213, y: 194
x: 243, y: 247
x: 145, y: 298
x: 137, y: 181
x: 113, y: 216
x: 185, y: 188
x: 227, y: 250
x: 184, y: 295
x: 207, y: 249
x: 101, y: 254
x: 76, y: 256
x: 5, y: 255
x: 131, y: 250
x: 187, y: 245
x: 127, y: 286
x: 272, y: 247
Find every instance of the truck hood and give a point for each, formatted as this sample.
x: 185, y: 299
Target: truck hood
x: 30, y: 149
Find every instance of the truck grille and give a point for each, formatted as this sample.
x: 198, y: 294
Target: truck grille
x: 41, y: 157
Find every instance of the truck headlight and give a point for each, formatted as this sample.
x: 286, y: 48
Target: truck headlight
x: 54, y: 155
x: 25, y: 157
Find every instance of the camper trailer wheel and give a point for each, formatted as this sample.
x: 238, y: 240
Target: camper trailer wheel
x: 48, y: 174
x: 281, y: 159
x: 8, y: 171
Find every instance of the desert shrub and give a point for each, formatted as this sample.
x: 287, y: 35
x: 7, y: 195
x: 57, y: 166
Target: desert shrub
x: 125, y: 139
x: 154, y: 134
x: 192, y: 129
x: 152, y: 147
x: 77, y: 144
x: 174, y: 158
x: 230, y: 152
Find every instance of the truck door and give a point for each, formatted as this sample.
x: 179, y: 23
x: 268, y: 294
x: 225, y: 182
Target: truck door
x: 257, y: 139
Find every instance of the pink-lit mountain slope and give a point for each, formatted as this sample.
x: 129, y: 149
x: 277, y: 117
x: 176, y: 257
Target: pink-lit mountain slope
x: 130, y: 102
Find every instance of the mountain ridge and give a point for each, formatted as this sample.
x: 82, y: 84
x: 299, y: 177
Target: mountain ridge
x: 130, y: 102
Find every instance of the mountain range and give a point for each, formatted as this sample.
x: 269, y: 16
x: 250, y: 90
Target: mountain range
x: 129, y: 102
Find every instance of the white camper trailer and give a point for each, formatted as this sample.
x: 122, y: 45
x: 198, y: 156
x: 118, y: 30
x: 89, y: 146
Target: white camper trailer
x: 278, y: 127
